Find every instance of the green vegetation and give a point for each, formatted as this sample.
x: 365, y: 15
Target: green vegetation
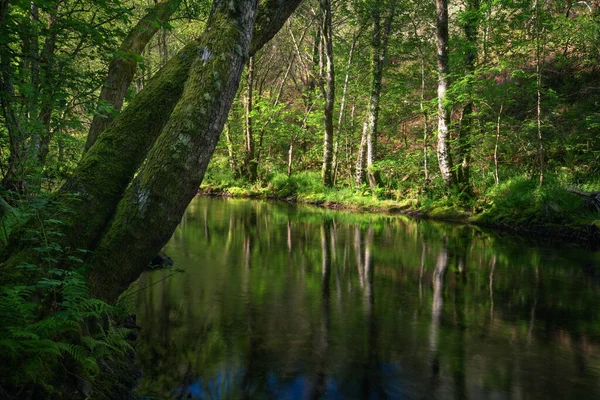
x: 522, y: 119
x: 520, y: 204
x: 111, y: 114
x: 57, y: 344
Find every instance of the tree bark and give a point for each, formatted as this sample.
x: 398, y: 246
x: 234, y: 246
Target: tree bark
x: 443, y: 148
x: 470, y: 27
x: 251, y: 161
x: 498, y: 126
x: 107, y: 168
x: 368, y: 155
x: 230, y: 152
x: 538, y: 75
x: 46, y: 93
x: 122, y: 68
x: 328, y: 92
x: 154, y: 203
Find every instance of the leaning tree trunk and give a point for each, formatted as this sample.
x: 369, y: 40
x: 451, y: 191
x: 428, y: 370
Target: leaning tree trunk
x: 123, y: 67
x: 154, y: 203
x: 328, y: 93
x: 443, y: 149
x: 100, y: 180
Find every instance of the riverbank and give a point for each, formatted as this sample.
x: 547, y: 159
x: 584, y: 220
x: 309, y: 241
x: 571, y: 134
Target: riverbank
x: 519, y: 206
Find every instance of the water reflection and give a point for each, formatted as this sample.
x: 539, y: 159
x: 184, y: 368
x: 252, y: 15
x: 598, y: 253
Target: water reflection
x: 283, y: 302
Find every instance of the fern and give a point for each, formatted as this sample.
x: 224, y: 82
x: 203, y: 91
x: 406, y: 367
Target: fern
x: 54, y: 323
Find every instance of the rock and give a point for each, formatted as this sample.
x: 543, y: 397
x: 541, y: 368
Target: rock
x: 161, y: 261
x: 130, y: 323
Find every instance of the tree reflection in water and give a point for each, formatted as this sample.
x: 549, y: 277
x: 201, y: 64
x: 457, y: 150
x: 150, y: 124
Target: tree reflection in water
x: 285, y: 302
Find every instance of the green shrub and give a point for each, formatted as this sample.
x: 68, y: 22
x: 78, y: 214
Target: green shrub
x: 522, y: 201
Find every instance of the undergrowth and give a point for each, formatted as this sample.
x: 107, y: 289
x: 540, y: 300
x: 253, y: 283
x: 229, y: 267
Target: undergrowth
x: 53, y: 335
x: 518, y: 201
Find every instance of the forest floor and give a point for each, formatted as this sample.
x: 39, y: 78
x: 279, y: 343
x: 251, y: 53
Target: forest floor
x: 520, y: 205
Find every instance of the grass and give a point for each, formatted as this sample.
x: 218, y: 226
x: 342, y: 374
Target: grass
x: 519, y: 203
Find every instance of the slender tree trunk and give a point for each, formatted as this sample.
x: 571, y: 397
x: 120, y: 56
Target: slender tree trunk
x: 342, y: 108
x: 328, y: 92
x: 290, y: 156
x: 538, y: 73
x: 443, y: 148
x: 361, y: 163
x: 163, y: 47
x: 122, y: 68
x: 496, y: 176
x: 422, y: 105
x: 230, y: 152
x: 367, y: 156
x: 34, y: 63
x: 42, y: 135
x: 373, y: 175
x: 470, y: 27
x: 425, y: 121
x: 251, y: 163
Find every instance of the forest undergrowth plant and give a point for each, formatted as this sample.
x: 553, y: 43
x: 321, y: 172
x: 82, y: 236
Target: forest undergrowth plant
x: 521, y: 201
x: 53, y: 335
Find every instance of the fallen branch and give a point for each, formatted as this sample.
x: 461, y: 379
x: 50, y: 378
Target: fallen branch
x: 592, y: 198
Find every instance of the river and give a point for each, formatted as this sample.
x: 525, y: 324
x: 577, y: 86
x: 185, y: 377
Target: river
x: 278, y: 301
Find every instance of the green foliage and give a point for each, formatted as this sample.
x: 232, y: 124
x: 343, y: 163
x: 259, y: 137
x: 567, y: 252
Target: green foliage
x: 54, y: 325
x: 521, y: 201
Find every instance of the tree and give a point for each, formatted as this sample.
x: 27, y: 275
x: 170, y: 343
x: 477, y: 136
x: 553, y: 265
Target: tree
x: 123, y: 66
x: 470, y: 26
x: 443, y: 147
x: 328, y: 89
x: 192, y: 120
x: 368, y: 145
x: 44, y: 45
x: 251, y: 163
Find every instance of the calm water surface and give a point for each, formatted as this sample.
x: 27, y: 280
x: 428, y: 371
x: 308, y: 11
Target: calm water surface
x: 285, y: 302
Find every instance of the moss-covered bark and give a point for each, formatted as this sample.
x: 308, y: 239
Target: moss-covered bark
x: 107, y: 169
x: 153, y: 205
x: 124, y: 65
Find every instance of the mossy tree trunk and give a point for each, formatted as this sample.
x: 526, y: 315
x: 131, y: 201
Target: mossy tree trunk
x: 100, y: 181
x: 154, y: 203
x: 123, y: 66
x: 368, y: 150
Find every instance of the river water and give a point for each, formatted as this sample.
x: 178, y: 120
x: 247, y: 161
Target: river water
x: 277, y: 301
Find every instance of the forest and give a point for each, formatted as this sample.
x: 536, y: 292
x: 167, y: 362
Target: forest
x: 116, y: 113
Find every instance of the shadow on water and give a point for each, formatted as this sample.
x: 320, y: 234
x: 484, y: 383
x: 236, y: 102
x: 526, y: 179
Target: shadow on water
x: 286, y: 302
